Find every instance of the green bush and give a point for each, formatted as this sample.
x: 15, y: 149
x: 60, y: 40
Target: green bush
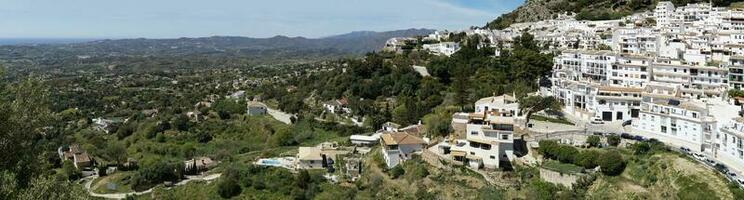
x: 611, y: 163
x: 228, y: 188
x: 593, y: 141
x: 70, y: 171
x: 567, y: 154
x: 416, y: 169
x: 397, y: 171
x: 157, y: 173
x: 588, y: 159
x: 613, y: 140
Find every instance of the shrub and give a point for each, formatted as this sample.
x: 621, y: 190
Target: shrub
x: 593, y: 141
x: 228, y: 188
x: 612, y: 163
x: 397, y: 171
x: 613, y: 140
x: 157, y: 173
x: 567, y: 154
x: 70, y: 171
x: 588, y: 159
x: 102, y: 170
x: 416, y: 169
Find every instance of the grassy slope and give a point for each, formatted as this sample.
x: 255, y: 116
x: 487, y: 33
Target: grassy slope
x: 662, y: 176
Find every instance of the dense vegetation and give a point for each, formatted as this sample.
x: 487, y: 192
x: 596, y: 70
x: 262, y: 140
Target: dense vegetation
x: 383, y: 86
x: 27, y: 129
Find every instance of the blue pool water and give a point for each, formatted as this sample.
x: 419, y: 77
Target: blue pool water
x: 270, y: 162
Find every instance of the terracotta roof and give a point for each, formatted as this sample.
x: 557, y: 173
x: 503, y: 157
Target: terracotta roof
x: 400, y: 138
x: 412, y: 129
x: 343, y: 101
x: 82, y: 157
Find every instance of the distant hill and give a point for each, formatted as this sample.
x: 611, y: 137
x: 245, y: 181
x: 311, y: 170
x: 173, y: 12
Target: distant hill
x: 537, y: 10
x: 354, y: 43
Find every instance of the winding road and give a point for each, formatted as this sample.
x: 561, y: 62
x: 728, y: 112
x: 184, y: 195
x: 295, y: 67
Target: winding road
x: 89, y: 182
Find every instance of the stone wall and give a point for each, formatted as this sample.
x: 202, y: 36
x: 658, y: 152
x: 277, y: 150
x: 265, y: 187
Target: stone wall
x: 557, y: 178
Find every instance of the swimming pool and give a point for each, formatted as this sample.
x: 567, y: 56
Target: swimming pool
x: 270, y: 162
x: 285, y: 162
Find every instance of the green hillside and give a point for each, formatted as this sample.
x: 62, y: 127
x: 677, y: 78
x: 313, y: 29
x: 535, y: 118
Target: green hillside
x: 536, y: 10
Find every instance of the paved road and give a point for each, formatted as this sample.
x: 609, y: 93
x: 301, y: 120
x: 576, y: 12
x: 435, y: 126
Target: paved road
x: 124, y: 195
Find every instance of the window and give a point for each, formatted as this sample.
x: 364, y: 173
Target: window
x: 472, y: 153
x: 474, y: 133
x: 492, y: 157
x: 663, y: 129
x: 504, y: 137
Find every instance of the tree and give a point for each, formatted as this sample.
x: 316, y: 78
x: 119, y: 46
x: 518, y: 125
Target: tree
x: 282, y: 137
x: 102, y: 170
x: 567, y: 154
x: 527, y: 41
x: 437, y: 124
x: 613, y: 140
x: 227, y: 107
x: 228, y: 188
x: 532, y: 104
x: 181, y: 122
x: 47, y: 188
x: 70, y: 171
x: 23, y: 114
x: 303, y: 179
x: 588, y: 158
x: 611, y: 163
x: 116, y: 152
x: 593, y: 141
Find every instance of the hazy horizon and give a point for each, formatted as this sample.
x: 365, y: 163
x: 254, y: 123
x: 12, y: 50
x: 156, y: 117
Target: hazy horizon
x: 49, y: 19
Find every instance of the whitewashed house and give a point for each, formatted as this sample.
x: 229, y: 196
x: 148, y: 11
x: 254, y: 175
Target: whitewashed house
x: 489, y: 133
x: 399, y: 147
x: 442, y: 48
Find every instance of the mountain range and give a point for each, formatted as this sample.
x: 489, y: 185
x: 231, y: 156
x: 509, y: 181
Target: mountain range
x: 354, y: 43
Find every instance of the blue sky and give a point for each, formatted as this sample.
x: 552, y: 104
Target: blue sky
x: 253, y: 18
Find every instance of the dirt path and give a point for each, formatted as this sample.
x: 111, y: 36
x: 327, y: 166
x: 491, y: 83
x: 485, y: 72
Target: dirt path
x: 281, y: 116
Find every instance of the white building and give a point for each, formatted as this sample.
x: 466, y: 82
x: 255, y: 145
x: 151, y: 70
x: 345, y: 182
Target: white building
x: 318, y: 157
x: 442, y: 48
x: 337, y: 106
x: 489, y: 133
x: 730, y: 147
x: 398, y: 44
x: 664, y: 13
x: 399, y: 147
x: 684, y: 120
